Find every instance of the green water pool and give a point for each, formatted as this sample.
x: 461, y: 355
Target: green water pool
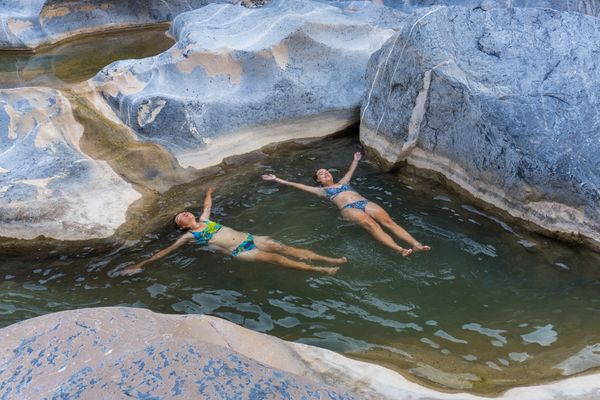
x: 490, y: 307
x: 80, y: 58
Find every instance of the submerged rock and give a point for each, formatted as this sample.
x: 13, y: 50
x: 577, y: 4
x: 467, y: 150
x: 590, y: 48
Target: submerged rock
x: 113, y: 352
x: 31, y: 24
x: 502, y: 102
x: 48, y: 185
x: 238, y: 79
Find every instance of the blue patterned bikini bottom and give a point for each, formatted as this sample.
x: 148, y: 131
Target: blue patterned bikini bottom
x: 359, y: 205
x: 246, y: 245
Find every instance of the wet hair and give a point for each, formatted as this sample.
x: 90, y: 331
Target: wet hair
x: 175, y: 221
x: 316, y: 177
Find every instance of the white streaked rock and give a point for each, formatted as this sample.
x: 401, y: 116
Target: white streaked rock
x: 510, y: 112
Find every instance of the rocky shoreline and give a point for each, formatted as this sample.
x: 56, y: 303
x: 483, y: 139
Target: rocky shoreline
x: 119, y: 351
x: 499, y: 98
x: 528, y: 152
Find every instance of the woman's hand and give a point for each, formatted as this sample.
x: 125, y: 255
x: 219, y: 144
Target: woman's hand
x: 210, y: 190
x: 269, y: 177
x: 357, y: 156
x: 132, y: 270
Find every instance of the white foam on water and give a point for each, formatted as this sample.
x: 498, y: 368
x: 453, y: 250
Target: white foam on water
x: 544, y: 336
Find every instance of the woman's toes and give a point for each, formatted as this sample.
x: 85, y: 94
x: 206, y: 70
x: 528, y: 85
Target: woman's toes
x: 406, y: 252
x: 421, y: 247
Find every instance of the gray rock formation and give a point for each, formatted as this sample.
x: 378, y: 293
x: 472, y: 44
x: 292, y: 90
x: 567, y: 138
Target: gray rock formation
x: 590, y: 7
x: 48, y: 186
x: 503, y: 103
x: 238, y: 79
x: 31, y: 24
x: 118, y: 352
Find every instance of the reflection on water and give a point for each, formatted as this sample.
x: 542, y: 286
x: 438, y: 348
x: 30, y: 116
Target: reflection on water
x: 79, y: 59
x: 489, y: 307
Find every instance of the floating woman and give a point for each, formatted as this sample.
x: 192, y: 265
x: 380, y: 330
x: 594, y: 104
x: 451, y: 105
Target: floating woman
x: 244, y: 246
x: 355, y: 207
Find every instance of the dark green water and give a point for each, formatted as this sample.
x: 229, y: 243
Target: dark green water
x: 488, y: 308
x: 79, y: 59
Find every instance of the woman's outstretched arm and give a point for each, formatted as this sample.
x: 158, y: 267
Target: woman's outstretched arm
x: 348, y: 177
x: 207, y: 204
x: 137, y: 268
x: 310, y: 189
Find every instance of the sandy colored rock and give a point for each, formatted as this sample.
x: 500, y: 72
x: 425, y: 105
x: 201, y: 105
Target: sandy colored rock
x: 49, y: 186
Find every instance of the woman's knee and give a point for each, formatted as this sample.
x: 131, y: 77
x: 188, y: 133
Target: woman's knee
x: 387, y: 221
x: 275, y: 246
x: 274, y: 258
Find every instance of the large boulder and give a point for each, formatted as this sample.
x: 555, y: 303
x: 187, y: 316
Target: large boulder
x: 503, y: 102
x: 31, y: 24
x: 133, y: 353
x: 48, y: 185
x: 238, y: 79
x: 117, y: 352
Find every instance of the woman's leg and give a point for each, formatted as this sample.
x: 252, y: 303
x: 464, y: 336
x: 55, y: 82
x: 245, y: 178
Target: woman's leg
x: 278, y: 259
x: 267, y: 244
x: 374, y: 229
x: 379, y: 214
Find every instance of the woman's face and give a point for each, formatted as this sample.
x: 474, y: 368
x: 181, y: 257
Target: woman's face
x: 185, y: 220
x: 324, y: 177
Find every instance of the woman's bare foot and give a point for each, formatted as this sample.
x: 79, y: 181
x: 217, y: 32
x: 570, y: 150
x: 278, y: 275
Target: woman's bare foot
x: 405, y: 252
x: 340, y: 260
x: 328, y: 270
x: 420, y: 247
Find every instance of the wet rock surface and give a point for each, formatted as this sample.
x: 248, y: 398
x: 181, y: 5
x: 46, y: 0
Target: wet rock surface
x: 48, y: 185
x: 590, y: 7
x: 238, y: 79
x: 31, y: 24
x: 502, y: 103
x: 498, y: 99
x: 118, y: 352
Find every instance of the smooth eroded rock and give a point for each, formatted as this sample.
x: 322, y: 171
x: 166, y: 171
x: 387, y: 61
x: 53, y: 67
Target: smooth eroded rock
x: 31, y: 24
x: 501, y: 102
x: 120, y: 352
x: 238, y: 79
x: 590, y: 7
x: 116, y: 352
x: 48, y: 185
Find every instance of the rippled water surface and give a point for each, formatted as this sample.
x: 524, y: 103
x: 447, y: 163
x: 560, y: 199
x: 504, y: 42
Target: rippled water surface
x: 488, y: 308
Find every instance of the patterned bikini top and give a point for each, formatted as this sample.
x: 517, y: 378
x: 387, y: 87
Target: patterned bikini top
x: 332, y: 192
x: 202, y: 237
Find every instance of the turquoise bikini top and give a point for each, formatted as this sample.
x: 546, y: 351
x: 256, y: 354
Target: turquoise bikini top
x: 202, y: 237
x: 330, y: 193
